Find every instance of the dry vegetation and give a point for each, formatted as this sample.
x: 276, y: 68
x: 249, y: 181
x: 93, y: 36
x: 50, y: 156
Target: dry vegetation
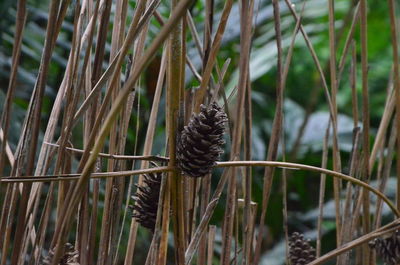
x: 68, y: 201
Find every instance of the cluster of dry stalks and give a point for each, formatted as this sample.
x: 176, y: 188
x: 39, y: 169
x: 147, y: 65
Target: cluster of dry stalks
x: 47, y: 204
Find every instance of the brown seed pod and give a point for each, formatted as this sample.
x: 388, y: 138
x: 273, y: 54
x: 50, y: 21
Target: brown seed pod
x: 200, y: 142
x: 146, y: 198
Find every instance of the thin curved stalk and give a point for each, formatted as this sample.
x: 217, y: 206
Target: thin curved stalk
x: 278, y: 164
x: 314, y: 169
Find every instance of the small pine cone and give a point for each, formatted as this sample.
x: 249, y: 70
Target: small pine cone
x: 300, y: 250
x: 200, y: 142
x: 388, y: 249
x: 146, y: 198
x: 70, y: 256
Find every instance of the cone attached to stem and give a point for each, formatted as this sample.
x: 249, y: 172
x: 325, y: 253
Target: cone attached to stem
x: 146, y: 201
x: 200, y: 142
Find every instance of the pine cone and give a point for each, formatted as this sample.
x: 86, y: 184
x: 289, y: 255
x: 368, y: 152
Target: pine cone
x: 200, y: 143
x: 146, y: 198
x: 70, y: 256
x: 300, y: 250
x: 388, y: 249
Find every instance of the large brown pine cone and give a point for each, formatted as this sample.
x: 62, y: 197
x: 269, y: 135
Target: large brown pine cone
x: 300, y: 250
x: 200, y: 142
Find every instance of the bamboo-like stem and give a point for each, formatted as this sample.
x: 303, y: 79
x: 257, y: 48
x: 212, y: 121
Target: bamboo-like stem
x: 200, y: 202
x: 247, y: 18
x: 348, y: 217
x: 335, y: 149
x: 349, y: 40
x: 162, y: 251
x: 391, y: 147
x: 365, y: 120
x: 276, y: 130
x: 175, y: 76
x: 322, y: 192
x: 231, y: 204
x: 211, y: 237
x: 112, y: 205
x: 246, y: 23
x: 247, y: 187
x: 383, y: 126
x: 396, y: 85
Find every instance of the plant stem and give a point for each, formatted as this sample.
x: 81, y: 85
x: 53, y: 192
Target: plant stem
x: 176, y: 58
